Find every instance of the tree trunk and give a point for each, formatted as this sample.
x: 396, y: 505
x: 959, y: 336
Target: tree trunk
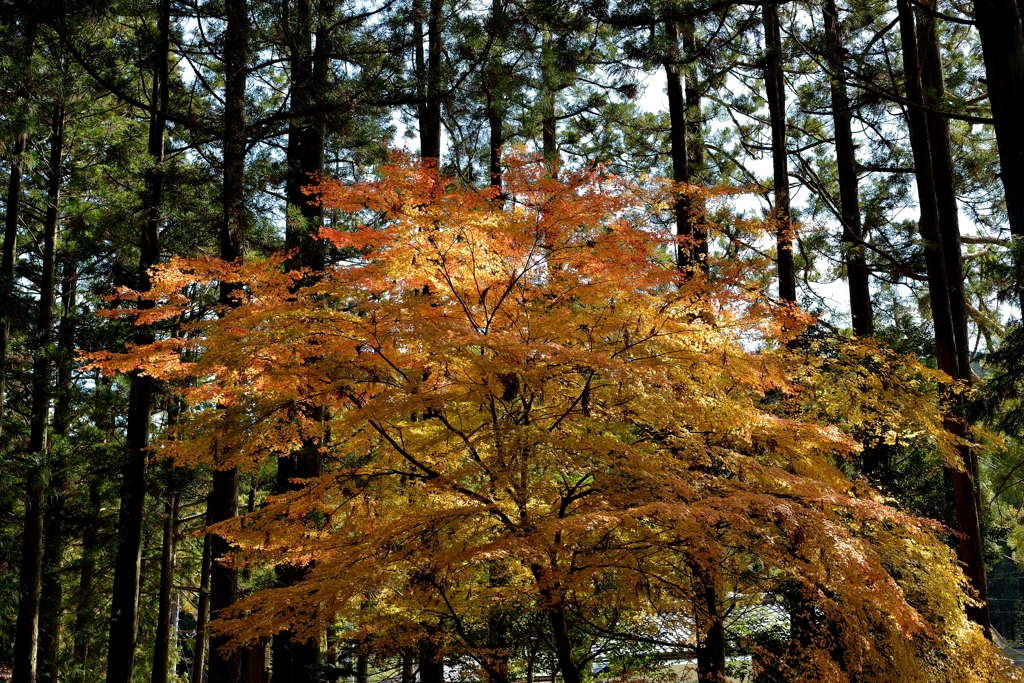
x: 493, y: 77
x: 933, y: 90
x: 548, y: 95
x: 310, y: 70
x: 571, y: 672
x: 965, y: 500
x: 127, y: 565
x: 431, y: 663
x: 11, y: 219
x: 710, y: 628
x: 202, y: 610
x: 162, y: 646
x: 26, y: 640
x: 685, y: 258
x: 775, y: 93
x: 52, y: 591
x: 857, y: 273
x: 1000, y: 28
x: 226, y: 667
x: 430, y: 74
x: 84, y: 613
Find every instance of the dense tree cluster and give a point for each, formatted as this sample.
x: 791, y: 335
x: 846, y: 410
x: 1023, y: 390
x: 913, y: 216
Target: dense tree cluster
x: 679, y: 332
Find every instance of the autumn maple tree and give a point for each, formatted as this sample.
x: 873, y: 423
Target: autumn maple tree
x: 523, y: 407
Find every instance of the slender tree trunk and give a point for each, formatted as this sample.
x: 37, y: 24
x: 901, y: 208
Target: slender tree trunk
x: 52, y: 591
x: 299, y: 661
x: 933, y: 91
x: 202, y: 610
x: 131, y: 518
x: 11, y: 218
x: 1000, y: 27
x: 694, y: 140
x: 571, y: 672
x: 310, y: 69
x: 849, y: 192
x: 965, y: 500
x: 493, y: 77
x: 430, y: 74
x: 225, y: 667
x: 162, y: 646
x: 26, y: 639
x: 775, y: 92
x: 84, y: 613
x: 548, y: 97
x: 362, y: 669
x: 685, y: 257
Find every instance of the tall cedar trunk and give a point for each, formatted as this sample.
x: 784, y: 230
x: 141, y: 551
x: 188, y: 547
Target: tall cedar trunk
x: 295, y: 661
x: 202, y: 609
x: 776, y: 95
x: 493, y: 77
x: 548, y: 95
x: 966, y: 494
x: 694, y: 140
x: 127, y: 565
x: 1000, y: 28
x: 299, y: 661
x: 430, y: 75
x: 310, y: 68
x: 52, y: 591
x: 11, y: 218
x: 169, y: 548
x: 86, y: 575
x: 965, y: 500
x: 677, y: 140
x: 933, y: 90
x: 861, y: 311
x: 225, y: 667
x: 26, y: 639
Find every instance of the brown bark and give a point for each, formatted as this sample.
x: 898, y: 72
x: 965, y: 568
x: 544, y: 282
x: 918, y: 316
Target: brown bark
x: 11, y: 218
x: 134, y: 472
x: 168, y: 553
x: 1000, y: 28
x: 431, y: 663
x: 429, y: 74
x: 933, y: 90
x: 52, y: 588
x: 84, y: 613
x: 26, y: 640
x: 857, y: 273
x: 965, y: 500
x: 571, y: 671
x: 548, y: 95
x: 202, y: 610
x: 310, y: 70
x: 775, y: 93
x: 685, y: 258
x: 225, y: 667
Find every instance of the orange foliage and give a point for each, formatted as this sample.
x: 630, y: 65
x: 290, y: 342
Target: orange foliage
x: 524, y: 385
